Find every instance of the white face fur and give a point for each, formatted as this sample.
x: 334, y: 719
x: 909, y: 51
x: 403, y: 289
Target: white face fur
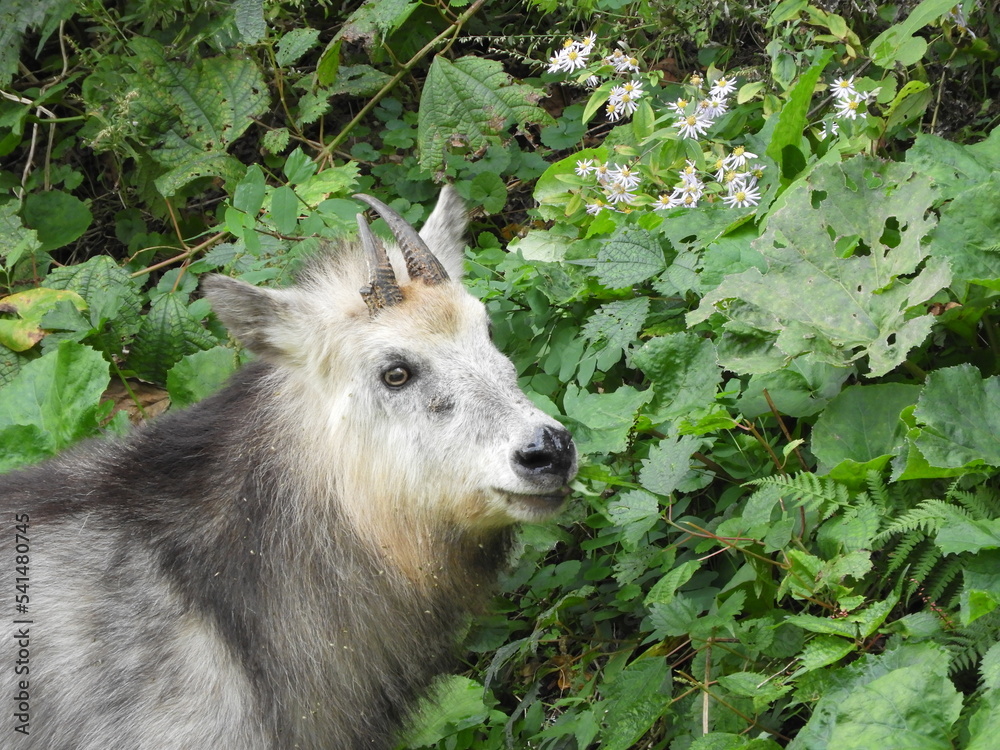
x: 411, y: 415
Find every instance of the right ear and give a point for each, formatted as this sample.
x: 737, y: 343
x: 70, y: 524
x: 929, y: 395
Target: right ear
x: 444, y: 232
x: 260, y: 319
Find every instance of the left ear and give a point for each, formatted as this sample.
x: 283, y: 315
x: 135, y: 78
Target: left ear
x: 444, y: 232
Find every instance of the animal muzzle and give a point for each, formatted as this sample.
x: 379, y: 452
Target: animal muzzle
x: 547, y: 459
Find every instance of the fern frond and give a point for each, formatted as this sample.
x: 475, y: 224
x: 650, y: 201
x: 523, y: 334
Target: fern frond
x: 926, y: 517
x: 900, y: 553
x: 983, y: 504
x: 816, y: 494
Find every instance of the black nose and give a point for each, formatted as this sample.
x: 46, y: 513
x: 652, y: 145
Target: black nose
x: 549, y: 454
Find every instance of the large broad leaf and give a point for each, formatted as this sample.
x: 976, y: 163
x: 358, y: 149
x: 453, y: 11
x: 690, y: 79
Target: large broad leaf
x: 469, y: 104
x: 52, y: 402
x: 846, y: 268
x: 968, y: 234
x: 959, y: 415
x: 190, y: 111
x: 861, y: 429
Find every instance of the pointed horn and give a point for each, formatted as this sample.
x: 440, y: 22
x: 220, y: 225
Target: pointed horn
x: 382, y: 290
x: 420, y: 261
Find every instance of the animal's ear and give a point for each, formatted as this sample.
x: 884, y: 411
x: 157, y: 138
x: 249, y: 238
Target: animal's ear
x: 444, y: 232
x: 260, y: 319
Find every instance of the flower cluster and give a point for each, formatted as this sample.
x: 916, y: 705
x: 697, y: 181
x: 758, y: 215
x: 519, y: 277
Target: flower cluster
x: 575, y: 55
x: 846, y: 99
x: 695, y: 115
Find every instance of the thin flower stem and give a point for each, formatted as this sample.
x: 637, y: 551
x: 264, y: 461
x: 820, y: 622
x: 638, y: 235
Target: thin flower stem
x: 451, y: 31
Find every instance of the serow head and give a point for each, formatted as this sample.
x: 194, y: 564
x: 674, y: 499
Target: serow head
x: 400, y: 391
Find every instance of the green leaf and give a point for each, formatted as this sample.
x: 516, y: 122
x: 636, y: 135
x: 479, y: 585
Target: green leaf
x: 250, y: 20
x: 16, y: 240
x: 112, y: 296
x: 861, y: 427
x: 844, y: 276
x: 683, y: 368
x: 793, y: 116
x: 294, y: 44
x: 58, y: 218
x: 958, y: 413
x: 490, y: 191
x: 168, y: 333
x: 16, y: 17
x: 906, y: 708
x: 897, y: 43
x: 980, y: 586
x: 454, y: 703
x: 249, y: 194
x: 604, y: 419
x: 192, y: 110
x: 629, y: 257
x: 636, y: 512
x: 58, y: 394
x: 968, y: 234
x: 664, y: 590
x: 668, y: 463
x: 471, y: 103
x: 24, y: 331
x: 618, y: 323
x: 284, y: 209
x: 636, y: 698
x: 199, y: 375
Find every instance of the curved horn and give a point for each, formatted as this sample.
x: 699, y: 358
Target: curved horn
x: 420, y: 261
x: 382, y: 289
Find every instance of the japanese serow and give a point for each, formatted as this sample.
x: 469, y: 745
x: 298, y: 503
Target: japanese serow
x: 288, y: 563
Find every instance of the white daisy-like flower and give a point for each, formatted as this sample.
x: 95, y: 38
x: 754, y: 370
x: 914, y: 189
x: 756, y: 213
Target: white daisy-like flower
x: 679, y: 106
x: 624, y: 176
x: 617, y: 193
x: 592, y: 83
x: 614, y: 110
x: 843, y: 88
x: 584, y: 167
x: 830, y: 128
x: 587, y: 43
x: 692, y: 126
x: 696, y: 80
x: 714, y: 107
x: 722, y: 87
x: 601, y: 172
x: 622, y: 63
x: 663, y: 202
x: 596, y: 206
x: 739, y: 158
x: 689, y: 175
x: 743, y: 197
x: 627, y: 104
x: 848, y: 108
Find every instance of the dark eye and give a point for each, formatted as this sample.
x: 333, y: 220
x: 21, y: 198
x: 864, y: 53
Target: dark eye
x: 396, y: 376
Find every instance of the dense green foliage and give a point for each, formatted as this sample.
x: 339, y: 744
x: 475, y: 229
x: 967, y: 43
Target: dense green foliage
x: 786, y: 530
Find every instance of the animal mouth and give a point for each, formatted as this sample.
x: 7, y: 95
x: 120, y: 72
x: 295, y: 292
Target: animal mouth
x: 542, y: 501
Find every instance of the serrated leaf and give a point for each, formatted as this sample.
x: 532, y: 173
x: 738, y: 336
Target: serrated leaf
x: 470, y: 104
x: 294, y: 44
x: 636, y: 698
x: 844, y: 272
x: 111, y: 294
x: 822, y: 651
x: 967, y: 234
x: 604, y: 420
x: 629, y: 257
x: 665, y: 589
x: 684, y: 370
x: 668, y: 463
x: 250, y: 20
x: 191, y: 111
x: 16, y: 240
x: 618, y: 323
x: 636, y: 512
x: 168, y: 332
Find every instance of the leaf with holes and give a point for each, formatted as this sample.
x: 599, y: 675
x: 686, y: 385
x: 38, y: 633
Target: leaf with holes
x: 847, y: 271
